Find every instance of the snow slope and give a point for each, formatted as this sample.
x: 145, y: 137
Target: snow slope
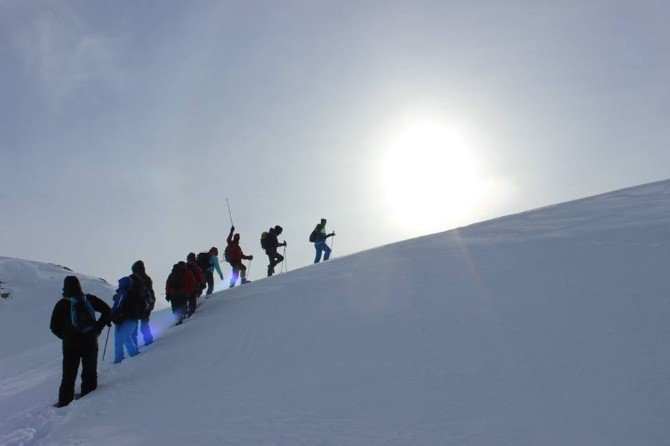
x: 543, y: 328
x: 34, y: 288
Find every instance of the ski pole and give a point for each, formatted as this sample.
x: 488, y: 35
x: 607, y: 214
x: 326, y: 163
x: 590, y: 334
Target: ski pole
x: 229, y: 213
x: 332, y: 244
x: 104, y: 351
x: 284, y: 263
x: 249, y: 270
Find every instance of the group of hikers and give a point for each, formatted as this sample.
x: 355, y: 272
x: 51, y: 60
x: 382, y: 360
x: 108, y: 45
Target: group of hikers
x: 74, y: 321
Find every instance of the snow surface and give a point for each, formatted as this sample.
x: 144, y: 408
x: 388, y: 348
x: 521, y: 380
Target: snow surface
x: 543, y: 328
x: 34, y: 288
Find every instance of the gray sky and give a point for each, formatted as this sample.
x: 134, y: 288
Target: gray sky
x: 125, y: 125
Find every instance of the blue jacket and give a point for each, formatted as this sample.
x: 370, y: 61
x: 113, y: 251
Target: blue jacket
x: 127, y: 302
x: 214, y: 265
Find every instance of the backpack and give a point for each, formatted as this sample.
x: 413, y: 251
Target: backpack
x: 203, y: 261
x: 197, y: 274
x: 145, y: 295
x: 312, y: 236
x: 176, y: 282
x: 82, y: 315
x: 264, y: 240
x: 226, y: 255
x: 118, y: 315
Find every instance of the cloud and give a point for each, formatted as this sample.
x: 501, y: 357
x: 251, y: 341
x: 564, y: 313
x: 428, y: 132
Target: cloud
x: 59, y: 49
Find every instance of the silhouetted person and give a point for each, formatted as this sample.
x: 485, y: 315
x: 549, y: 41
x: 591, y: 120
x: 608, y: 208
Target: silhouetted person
x: 143, y: 290
x: 234, y: 256
x: 73, y: 321
x: 271, y: 245
x: 320, y: 237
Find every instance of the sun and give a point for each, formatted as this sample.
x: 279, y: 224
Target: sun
x: 430, y: 176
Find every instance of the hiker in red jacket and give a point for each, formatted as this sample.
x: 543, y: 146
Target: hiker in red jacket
x: 178, y: 287
x: 200, y: 282
x: 234, y: 256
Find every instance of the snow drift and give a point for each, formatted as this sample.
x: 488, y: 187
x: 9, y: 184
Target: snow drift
x: 31, y: 289
x: 543, y: 328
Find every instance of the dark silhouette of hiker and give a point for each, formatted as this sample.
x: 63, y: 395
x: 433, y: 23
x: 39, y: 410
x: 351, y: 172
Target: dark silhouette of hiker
x: 320, y: 236
x: 74, y: 322
x: 234, y: 256
x: 271, y: 243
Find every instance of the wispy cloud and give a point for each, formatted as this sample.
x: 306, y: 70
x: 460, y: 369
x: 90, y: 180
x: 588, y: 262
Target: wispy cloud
x: 58, y: 48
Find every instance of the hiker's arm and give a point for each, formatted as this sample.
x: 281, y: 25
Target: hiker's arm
x: 215, y: 264
x: 101, y: 307
x: 57, y: 321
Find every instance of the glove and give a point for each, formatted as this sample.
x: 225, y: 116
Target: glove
x: 251, y: 257
x: 221, y: 276
x: 232, y: 229
x: 284, y: 243
x: 167, y: 298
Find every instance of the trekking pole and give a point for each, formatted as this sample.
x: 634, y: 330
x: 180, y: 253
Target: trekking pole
x: 249, y: 270
x: 284, y: 264
x: 332, y: 244
x: 105, y: 349
x: 229, y: 213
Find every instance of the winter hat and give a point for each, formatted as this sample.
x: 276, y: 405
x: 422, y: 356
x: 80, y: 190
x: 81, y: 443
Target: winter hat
x: 72, y: 287
x: 138, y: 267
x: 323, y: 221
x: 236, y: 237
x: 214, y: 251
x: 190, y: 256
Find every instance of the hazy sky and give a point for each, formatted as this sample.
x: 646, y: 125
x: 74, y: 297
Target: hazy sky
x: 124, y: 125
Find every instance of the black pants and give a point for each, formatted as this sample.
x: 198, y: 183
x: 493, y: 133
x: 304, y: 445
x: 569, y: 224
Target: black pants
x: 84, y: 349
x: 178, y: 306
x: 209, y: 275
x: 275, y: 259
x: 238, y: 267
x: 192, y: 302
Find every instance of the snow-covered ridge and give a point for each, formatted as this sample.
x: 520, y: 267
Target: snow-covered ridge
x: 31, y: 289
x: 543, y: 328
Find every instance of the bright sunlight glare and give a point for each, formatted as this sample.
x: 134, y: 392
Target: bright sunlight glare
x: 431, y: 177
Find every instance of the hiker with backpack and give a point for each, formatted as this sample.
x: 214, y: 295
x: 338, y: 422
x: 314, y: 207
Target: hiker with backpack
x: 74, y: 322
x: 143, y: 291
x: 208, y: 262
x: 126, y: 311
x: 319, y: 237
x: 179, y: 286
x: 270, y: 243
x: 200, y: 282
x: 234, y: 255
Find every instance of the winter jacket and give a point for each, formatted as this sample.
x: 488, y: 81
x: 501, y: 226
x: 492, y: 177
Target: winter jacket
x: 61, y: 322
x: 214, y: 265
x: 235, y: 254
x: 321, y: 234
x: 198, y: 275
x: 180, y: 283
x: 143, y: 294
x: 119, y: 314
x: 140, y: 279
x: 271, y: 241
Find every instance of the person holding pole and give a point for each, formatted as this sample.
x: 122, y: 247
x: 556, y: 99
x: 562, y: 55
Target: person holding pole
x: 271, y: 244
x: 319, y: 237
x: 234, y: 256
x: 126, y: 311
x: 74, y: 322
